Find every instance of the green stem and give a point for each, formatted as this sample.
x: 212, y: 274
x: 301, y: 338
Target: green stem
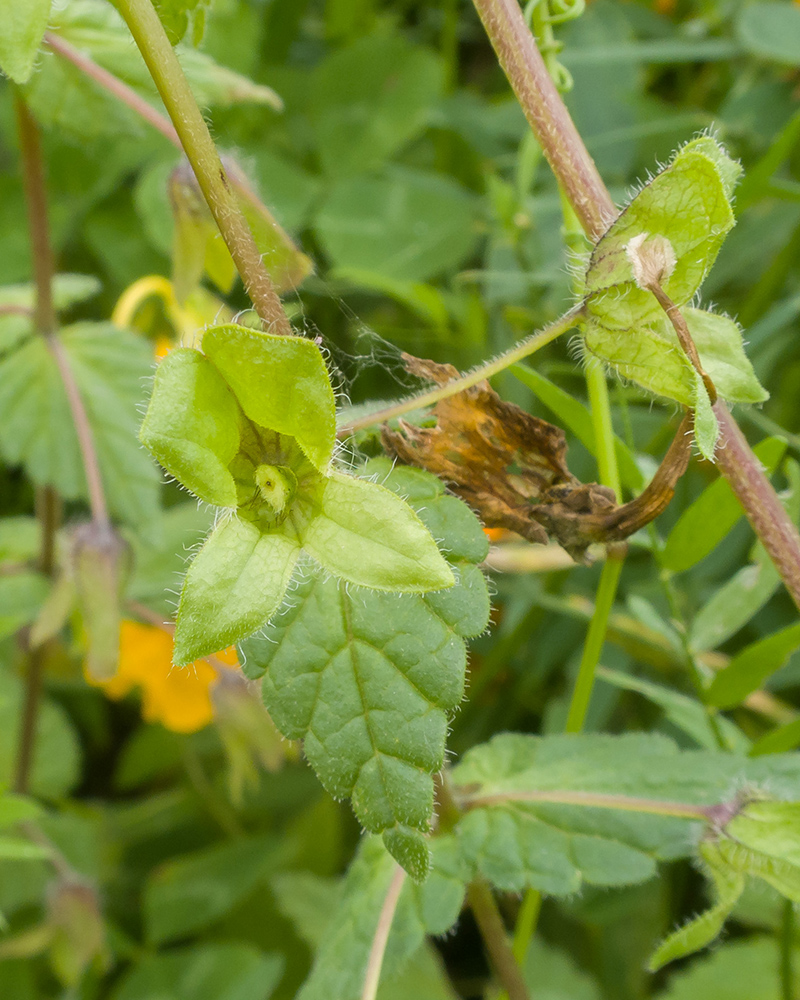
x: 490, y: 924
x: 597, y: 387
x: 595, y: 639
x: 158, y: 54
x: 521, y: 350
x: 527, y: 919
x: 787, y: 951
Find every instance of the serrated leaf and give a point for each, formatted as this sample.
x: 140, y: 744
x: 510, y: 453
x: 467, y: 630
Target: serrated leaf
x: 368, y: 680
x: 192, y: 425
x: 710, y: 518
x: 36, y: 428
x: 748, y: 670
x: 516, y: 841
x: 235, y: 583
x: 280, y: 382
x: 367, y: 535
x: 24, y: 26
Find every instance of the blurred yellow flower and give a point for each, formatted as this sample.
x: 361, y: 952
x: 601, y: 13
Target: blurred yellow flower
x: 178, y: 698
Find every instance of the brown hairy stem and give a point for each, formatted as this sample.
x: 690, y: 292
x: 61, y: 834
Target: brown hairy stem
x: 547, y: 114
x: 172, y: 85
x: 681, y: 328
x: 576, y: 172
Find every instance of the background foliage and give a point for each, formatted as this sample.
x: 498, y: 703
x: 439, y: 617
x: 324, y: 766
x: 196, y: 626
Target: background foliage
x: 402, y: 166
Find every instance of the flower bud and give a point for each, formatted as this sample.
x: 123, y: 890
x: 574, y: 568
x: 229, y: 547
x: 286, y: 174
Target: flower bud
x: 652, y: 259
x: 101, y: 561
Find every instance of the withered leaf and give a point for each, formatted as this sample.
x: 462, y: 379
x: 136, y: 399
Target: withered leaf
x: 511, y: 468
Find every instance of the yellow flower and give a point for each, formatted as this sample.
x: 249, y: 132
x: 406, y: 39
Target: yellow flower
x: 178, y: 698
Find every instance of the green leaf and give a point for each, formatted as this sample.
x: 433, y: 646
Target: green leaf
x: 281, y: 384
x: 738, y: 970
x: 369, y: 680
x: 341, y: 960
x: 408, y: 225
x: 748, y: 670
x: 778, y: 740
x: 21, y: 597
x: 24, y: 25
x: 36, y: 428
x: 233, y: 586
x: 190, y: 892
x: 56, y: 760
x: 17, y: 809
x: 192, y: 425
x: 369, y: 99
x: 728, y: 887
x: 213, y: 971
x: 706, y: 428
x: 772, y: 31
x: 719, y: 343
x: 710, y: 518
x: 682, y: 711
x: 366, y: 534
x: 176, y: 15
x: 577, y: 418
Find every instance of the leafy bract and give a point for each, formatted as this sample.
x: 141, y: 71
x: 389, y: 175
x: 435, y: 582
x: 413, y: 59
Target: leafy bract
x: 281, y: 383
x: 24, y: 25
x: 236, y: 581
x: 688, y: 206
x: 192, y: 426
x: 368, y: 679
x: 109, y: 366
x: 251, y: 425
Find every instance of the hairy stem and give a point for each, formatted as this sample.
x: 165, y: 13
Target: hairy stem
x: 493, y: 931
x: 83, y: 430
x: 33, y: 179
x: 521, y: 350
x: 547, y: 114
x: 158, y: 54
x: 381, y: 937
x: 127, y: 95
x: 577, y: 174
x: 776, y: 530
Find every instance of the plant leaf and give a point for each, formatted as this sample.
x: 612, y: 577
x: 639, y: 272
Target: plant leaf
x: 748, y: 670
x: 367, y: 535
x: 281, y: 383
x: 728, y: 887
x: 192, y: 425
x: 36, y: 429
x: 341, y: 960
x: 24, y: 25
x: 369, y: 680
x: 236, y: 581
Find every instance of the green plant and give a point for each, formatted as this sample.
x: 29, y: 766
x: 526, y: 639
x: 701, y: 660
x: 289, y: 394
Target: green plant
x: 349, y: 584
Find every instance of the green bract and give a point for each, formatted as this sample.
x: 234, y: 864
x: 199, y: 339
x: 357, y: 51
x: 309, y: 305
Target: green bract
x: 369, y: 681
x: 689, y: 205
x: 249, y: 425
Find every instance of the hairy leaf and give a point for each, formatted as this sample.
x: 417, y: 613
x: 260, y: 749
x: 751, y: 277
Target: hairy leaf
x: 369, y: 679
x: 280, y: 382
x: 24, y: 26
x: 192, y: 425
x: 236, y: 581
x: 517, y: 842
x: 367, y: 535
x: 36, y: 428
